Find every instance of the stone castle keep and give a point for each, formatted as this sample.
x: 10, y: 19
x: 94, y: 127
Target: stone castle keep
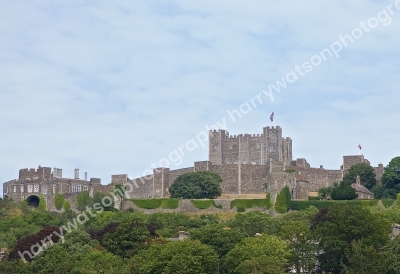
x: 248, y: 164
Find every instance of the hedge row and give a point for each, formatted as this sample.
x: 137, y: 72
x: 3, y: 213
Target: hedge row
x: 204, y: 204
x: 171, y: 203
x: 388, y: 202
x: 303, y: 205
x: 250, y: 203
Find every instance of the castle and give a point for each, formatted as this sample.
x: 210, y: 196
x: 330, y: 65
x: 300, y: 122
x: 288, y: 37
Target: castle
x: 248, y: 164
x: 32, y: 184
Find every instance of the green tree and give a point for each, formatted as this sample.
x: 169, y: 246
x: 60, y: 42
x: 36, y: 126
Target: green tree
x: 303, y: 243
x: 283, y: 200
x: 338, y: 225
x: 219, y: 238
x: 391, y: 177
x: 367, y: 259
x: 266, y: 254
x: 196, y: 185
x: 366, y: 173
x: 67, y: 205
x: 181, y: 257
x: 83, y: 200
x: 254, y: 222
x: 100, y: 261
x: 128, y: 239
x: 98, y: 197
x: 326, y: 192
x: 59, y: 201
x: 65, y: 257
x: 344, y: 192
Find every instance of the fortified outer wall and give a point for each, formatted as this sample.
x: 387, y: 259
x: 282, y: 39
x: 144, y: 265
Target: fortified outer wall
x: 319, y: 177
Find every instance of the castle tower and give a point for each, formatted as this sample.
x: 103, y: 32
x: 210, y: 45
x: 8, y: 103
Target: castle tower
x: 273, y: 141
x: 216, y: 142
x: 287, y: 150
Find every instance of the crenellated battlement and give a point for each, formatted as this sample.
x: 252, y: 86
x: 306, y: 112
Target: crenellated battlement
x: 250, y: 148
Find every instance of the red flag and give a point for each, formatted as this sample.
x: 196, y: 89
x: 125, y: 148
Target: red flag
x: 272, y: 117
x: 359, y: 146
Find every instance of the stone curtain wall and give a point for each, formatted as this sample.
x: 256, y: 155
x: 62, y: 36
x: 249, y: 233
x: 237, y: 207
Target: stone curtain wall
x: 177, y: 172
x: 318, y: 177
x: 230, y: 179
x: 252, y: 179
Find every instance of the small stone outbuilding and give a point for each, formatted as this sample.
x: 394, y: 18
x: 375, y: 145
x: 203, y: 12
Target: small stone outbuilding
x: 362, y: 191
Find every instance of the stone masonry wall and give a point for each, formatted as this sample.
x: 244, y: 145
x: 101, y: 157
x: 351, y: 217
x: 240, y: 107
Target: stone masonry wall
x: 252, y: 179
x: 230, y: 179
x: 278, y: 180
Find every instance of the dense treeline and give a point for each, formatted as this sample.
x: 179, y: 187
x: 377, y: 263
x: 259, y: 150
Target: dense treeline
x: 343, y: 238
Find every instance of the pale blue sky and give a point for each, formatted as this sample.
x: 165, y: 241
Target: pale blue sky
x: 109, y: 87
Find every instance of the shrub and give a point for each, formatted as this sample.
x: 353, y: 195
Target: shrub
x: 387, y: 202
x: 249, y: 203
x: 240, y: 209
x: 171, y: 203
x: 59, y: 201
x: 67, y: 205
x: 42, y: 202
x: 303, y: 205
x: 283, y: 200
x: 269, y: 202
x: 156, y: 203
x: 82, y: 200
x: 204, y: 204
x: 26, y: 243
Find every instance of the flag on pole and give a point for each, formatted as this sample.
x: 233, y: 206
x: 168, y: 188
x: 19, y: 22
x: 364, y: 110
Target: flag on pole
x: 272, y: 117
x: 359, y: 146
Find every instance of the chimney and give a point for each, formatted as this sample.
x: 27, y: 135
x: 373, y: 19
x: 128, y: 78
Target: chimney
x: 85, y: 176
x: 76, y: 173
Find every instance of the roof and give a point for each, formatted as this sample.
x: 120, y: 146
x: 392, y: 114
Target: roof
x: 361, y: 188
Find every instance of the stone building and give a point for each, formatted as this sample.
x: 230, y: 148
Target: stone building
x: 32, y: 184
x: 251, y: 164
x: 248, y: 164
x: 362, y: 191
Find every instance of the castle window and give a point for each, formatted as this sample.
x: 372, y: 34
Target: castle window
x: 30, y: 188
x: 22, y: 188
x: 35, y: 177
x: 36, y: 188
x: 54, y: 188
x: 15, y: 188
x: 216, y: 147
x: 76, y: 188
x: 85, y: 188
x: 44, y: 190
